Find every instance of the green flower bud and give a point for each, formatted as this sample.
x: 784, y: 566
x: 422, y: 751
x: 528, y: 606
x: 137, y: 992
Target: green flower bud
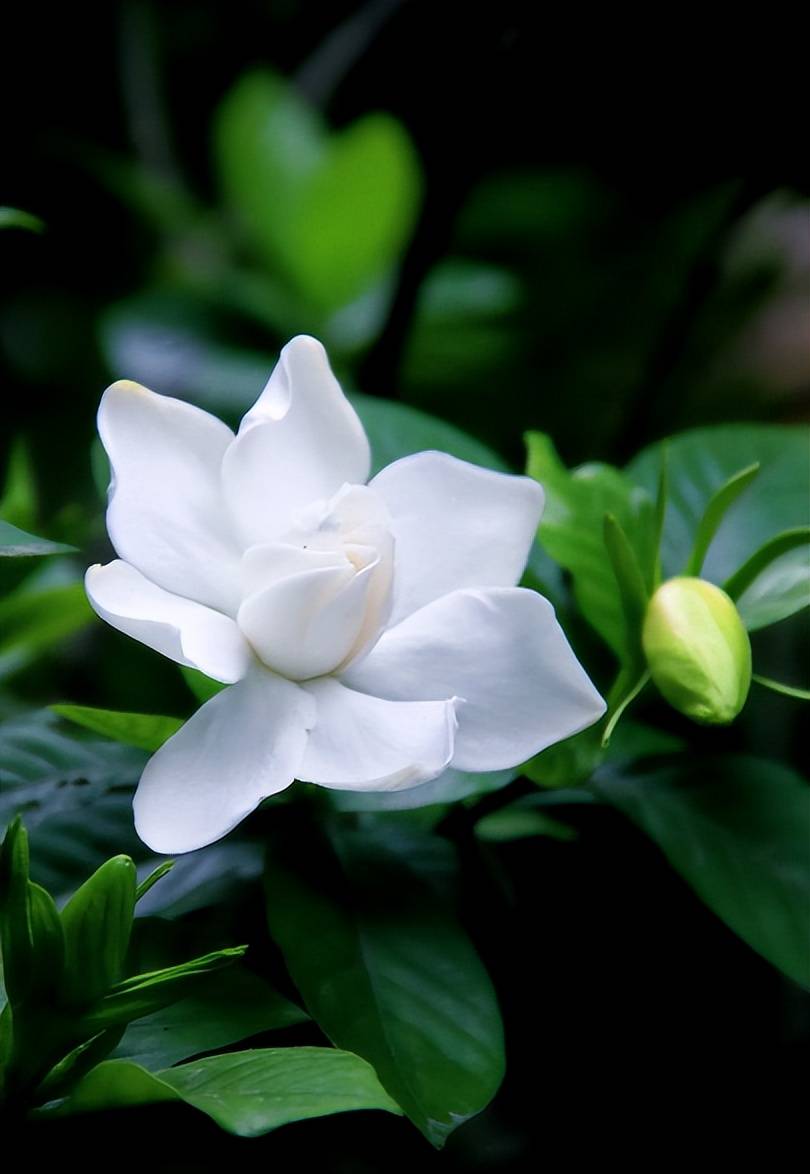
x: 697, y: 650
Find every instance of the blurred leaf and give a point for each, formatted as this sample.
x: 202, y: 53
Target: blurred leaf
x: 76, y: 793
x: 396, y: 430
x: 385, y: 968
x: 145, y: 731
x: 449, y: 787
x: 700, y: 462
x: 736, y: 829
x: 780, y: 586
x: 18, y: 504
x: 246, y: 1093
x: 15, y: 543
x: 203, y: 688
x: 572, y: 530
x: 332, y: 211
x: 233, y: 1005
x: 15, y: 218
x: 519, y: 823
x: 31, y: 622
x: 209, y: 876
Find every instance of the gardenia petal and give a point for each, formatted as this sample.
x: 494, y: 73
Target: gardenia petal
x: 363, y: 743
x: 167, y: 515
x: 503, y: 652
x: 300, y: 442
x: 244, y: 744
x: 187, y: 632
x: 455, y: 525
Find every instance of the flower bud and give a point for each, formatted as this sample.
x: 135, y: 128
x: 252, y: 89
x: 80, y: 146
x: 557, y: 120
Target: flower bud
x: 697, y: 650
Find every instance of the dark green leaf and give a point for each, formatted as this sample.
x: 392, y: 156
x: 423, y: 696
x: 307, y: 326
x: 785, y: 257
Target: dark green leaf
x: 33, y: 621
x: 774, y: 583
x: 246, y: 1093
x: 97, y: 921
x: 793, y: 691
x: 518, y: 823
x: 233, y: 1005
x: 385, y: 968
x: 145, y: 731
x: 737, y: 830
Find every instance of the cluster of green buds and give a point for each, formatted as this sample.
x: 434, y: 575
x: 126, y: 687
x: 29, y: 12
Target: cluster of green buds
x: 69, y: 999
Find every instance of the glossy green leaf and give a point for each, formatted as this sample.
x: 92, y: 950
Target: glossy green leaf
x: 16, y: 543
x: 246, y: 1093
x: 736, y: 829
x: 145, y: 731
x: 233, y: 1005
x: 700, y: 463
x: 48, y: 940
x: 384, y: 967
x: 97, y: 921
x: 572, y: 531
x: 630, y: 583
x: 716, y: 509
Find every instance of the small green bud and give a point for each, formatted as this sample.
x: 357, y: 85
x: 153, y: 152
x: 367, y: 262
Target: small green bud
x: 697, y: 650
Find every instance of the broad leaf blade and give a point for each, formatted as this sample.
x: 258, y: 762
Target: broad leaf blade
x: 736, y: 829
x: 385, y: 968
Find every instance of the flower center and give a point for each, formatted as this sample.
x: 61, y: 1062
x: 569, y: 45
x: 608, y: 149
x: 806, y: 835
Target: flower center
x: 318, y: 597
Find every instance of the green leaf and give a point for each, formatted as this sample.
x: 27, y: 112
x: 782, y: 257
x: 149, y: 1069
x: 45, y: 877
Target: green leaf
x: 246, y: 1093
x: 148, y: 882
x: 396, y: 430
x: 18, y: 503
x: 33, y: 622
x: 16, y: 218
x: 16, y: 543
x: 145, y: 993
x: 16, y: 936
x: 736, y: 830
x: 774, y: 583
x: 719, y: 505
x: 48, y: 940
x: 203, y: 687
x: 332, y: 211
x: 145, y: 731
x: 232, y: 1006
x: 384, y: 967
x: 779, y: 687
x: 630, y: 582
x: 97, y: 921
x: 519, y: 823
x: 700, y: 463
x: 572, y: 531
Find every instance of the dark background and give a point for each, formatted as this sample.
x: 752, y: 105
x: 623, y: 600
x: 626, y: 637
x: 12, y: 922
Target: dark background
x: 636, y: 1023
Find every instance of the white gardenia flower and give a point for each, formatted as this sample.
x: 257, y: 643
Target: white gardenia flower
x: 371, y: 634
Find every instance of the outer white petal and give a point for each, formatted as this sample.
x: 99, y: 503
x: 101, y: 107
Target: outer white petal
x: 362, y: 743
x: 301, y: 441
x: 187, y: 632
x: 167, y: 514
x: 503, y: 652
x: 244, y: 744
x: 455, y: 525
